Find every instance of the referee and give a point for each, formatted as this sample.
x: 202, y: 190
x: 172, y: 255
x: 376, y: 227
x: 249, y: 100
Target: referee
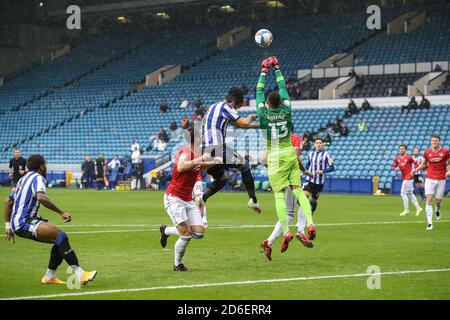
x: 17, y: 167
x: 320, y: 162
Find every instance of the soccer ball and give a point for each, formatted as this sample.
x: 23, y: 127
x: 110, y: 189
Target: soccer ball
x: 263, y: 38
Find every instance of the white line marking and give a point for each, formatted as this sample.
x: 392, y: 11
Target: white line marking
x: 219, y: 284
x: 251, y: 226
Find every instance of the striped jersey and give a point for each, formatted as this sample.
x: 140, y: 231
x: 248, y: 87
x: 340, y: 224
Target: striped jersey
x: 26, y: 205
x: 215, y: 123
x: 318, y: 161
x: 417, y: 162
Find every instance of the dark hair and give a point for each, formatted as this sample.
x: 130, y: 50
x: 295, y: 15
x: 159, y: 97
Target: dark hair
x: 16, y: 149
x: 35, y: 161
x: 274, y: 99
x: 404, y: 146
x: 235, y: 95
x: 318, y: 138
x: 436, y: 136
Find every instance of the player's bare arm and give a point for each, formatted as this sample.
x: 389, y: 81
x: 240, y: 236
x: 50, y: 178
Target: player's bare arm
x: 9, y: 235
x: 247, y: 122
x: 46, y: 202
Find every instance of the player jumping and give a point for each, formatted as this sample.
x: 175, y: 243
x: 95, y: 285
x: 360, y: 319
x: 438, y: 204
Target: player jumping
x: 180, y: 206
x: 214, y: 128
x: 405, y: 162
x: 26, y: 222
x: 291, y: 201
x: 438, y: 161
x: 283, y: 169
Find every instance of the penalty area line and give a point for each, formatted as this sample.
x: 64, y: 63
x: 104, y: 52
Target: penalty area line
x: 223, y: 284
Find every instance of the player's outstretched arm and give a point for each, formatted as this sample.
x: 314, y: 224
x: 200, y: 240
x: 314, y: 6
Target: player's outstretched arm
x: 260, y: 87
x: 280, y: 79
x: 247, y: 122
x: 46, y: 202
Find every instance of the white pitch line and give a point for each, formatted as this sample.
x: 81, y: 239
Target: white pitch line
x: 257, y: 226
x: 220, y: 284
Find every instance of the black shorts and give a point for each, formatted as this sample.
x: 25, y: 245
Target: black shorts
x: 314, y: 189
x: 231, y: 159
x: 418, y: 178
x: 29, y: 229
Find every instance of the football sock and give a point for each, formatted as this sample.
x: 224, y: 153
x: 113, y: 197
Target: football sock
x: 280, y: 205
x: 180, y: 248
x: 78, y: 271
x: 304, y: 204
x: 422, y: 192
x: 249, y: 183
x: 278, y: 230
x: 171, y: 230
x: 66, y: 252
x: 301, y: 220
x: 51, y: 273
x: 405, y: 202
x: 429, y: 211
x: 55, y: 259
x: 414, y: 201
x: 313, y: 204
x: 213, y: 188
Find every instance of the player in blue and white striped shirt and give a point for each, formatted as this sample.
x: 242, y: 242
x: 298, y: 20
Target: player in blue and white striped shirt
x: 319, y: 163
x: 25, y: 222
x: 214, y: 128
x: 418, y: 176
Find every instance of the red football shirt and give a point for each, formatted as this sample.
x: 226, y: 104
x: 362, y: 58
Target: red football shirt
x: 297, y: 142
x: 437, y: 163
x: 405, y: 164
x: 182, y: 184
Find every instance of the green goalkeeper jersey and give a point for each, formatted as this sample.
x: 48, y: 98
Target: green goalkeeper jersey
x: 275, y: 123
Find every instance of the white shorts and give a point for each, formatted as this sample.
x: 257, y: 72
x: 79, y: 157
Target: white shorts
x: 180, y: 211
x: 407, y: 187
x: 435, y: 188
x: 291, y: 201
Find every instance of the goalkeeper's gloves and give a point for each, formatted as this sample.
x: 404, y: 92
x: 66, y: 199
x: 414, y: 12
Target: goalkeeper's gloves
x: 265, y: 65
x: 274, y: 62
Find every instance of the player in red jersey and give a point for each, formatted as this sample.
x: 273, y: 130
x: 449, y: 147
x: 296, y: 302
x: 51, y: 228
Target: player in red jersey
x: 178, y: 200
x: 297, y: 143
x: 405, y: 162
x: 438, y: 161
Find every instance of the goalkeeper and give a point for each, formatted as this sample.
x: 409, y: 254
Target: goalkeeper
x: 283, y: 170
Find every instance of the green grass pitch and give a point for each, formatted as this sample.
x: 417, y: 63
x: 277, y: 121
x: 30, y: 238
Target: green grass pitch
x: 117, y: 233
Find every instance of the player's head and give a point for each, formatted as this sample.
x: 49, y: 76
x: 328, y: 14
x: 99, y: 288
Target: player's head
x: 435, y: 141
x: 402, y: 149
x: 16, y: 152
x: 416, y: 151
x: 318, y: 144
x: 36, y: 163
x: 235, y: 97
x: 274, y: 100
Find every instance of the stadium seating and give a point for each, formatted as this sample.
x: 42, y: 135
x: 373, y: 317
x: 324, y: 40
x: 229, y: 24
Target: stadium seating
x: 379, y: 85
x: 428, y: 43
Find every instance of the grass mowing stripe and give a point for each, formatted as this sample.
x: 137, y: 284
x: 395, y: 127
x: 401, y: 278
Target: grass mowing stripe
x: 218, y: 284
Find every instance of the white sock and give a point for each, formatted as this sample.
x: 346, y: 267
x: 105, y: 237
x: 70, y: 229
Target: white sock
x: 429, y: 211
x: 180, y: 249
x: 301, y: 222
x: 414, y: 201
x: 405, y: 202
x: 278, y: 230
x: 171, y: 230
x: 78, y: 271
x: 51, y: 274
